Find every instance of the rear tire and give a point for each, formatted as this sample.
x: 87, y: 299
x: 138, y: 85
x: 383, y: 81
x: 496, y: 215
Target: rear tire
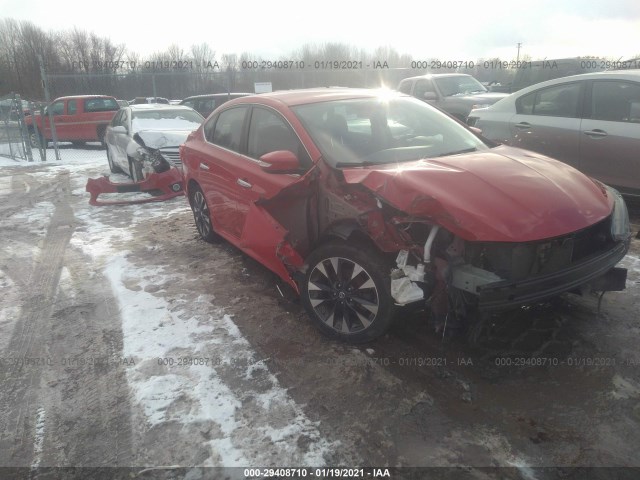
x: 347, y: 292
x: 202, y: 215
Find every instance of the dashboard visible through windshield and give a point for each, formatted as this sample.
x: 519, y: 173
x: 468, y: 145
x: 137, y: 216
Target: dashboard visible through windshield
x: 377, y: 130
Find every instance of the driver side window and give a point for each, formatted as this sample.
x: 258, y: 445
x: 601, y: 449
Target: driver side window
x: 423, y: 86
x: 57, y: 108
x: 269, y: 132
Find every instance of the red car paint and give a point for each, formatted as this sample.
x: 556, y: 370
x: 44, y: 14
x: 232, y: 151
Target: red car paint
x: 505, y: 195
x: 168, y: 182
x: 498, y: 195
x: 77, y: 119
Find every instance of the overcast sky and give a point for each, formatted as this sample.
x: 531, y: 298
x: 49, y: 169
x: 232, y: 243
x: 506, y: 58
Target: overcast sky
x: 448, y: 30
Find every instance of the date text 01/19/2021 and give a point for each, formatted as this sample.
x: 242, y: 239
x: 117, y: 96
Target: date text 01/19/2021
x: 326, y: 472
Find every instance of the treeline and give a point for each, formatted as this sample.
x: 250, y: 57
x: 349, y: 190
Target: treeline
x: 81, y: 62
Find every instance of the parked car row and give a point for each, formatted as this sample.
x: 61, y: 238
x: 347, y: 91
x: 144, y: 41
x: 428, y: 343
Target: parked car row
x: 589, y: 121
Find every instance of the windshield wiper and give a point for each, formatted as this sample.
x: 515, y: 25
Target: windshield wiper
x: 459, y: 152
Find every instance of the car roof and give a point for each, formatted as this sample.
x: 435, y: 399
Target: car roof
x: 157, y: 106
x: 69, y: 97
x: 633, y: 75
x: 315, y: 95
x: 437, y: 75
x: 218, y: 95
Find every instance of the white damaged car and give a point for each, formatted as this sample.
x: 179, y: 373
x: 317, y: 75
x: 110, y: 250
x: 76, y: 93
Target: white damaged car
x: 142, y: 139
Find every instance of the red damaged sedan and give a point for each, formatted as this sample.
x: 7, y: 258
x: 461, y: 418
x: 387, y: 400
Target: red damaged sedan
x: 367, y: 200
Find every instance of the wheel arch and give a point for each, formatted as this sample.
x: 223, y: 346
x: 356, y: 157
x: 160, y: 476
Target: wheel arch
x: 348, y: 231
x: 190, y: 187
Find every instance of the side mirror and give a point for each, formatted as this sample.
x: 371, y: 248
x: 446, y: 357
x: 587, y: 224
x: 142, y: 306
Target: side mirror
x: 430, y: 96
x: 280, y: 161
x: 119, y: 129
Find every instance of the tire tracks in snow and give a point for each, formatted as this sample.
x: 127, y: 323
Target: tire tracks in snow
x: 74, y: 409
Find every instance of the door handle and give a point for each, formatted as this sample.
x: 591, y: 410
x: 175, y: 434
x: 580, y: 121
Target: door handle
x: 204, y: 166
x: 244, y: 184
x: 523, y: 125
x: 597, y: 133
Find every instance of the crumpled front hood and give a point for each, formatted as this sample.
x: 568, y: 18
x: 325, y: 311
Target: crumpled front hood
x: 160, y: 139
x: 503, y: 195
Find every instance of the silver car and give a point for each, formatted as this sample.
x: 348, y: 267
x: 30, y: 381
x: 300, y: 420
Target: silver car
x: 590, y: 121
x: 143, y: 139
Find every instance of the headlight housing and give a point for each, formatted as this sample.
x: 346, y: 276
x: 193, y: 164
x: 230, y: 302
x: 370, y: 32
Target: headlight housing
x: 620, y: 227
x: 152, y: 161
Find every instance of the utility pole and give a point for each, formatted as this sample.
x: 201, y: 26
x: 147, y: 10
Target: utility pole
x: 518, y: 59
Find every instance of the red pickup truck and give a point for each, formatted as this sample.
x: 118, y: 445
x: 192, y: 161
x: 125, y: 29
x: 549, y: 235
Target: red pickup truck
x: 77, y: 119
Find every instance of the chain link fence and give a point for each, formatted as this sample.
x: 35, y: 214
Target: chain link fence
x: 14, y: 134
x: 21, y: 139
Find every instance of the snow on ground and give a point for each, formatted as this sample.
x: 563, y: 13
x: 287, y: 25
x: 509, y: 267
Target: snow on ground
x: 632, y: 263
x: 192, y: 394
x: 36, y: 219
x: 255, y: 421
x: 10, y: 307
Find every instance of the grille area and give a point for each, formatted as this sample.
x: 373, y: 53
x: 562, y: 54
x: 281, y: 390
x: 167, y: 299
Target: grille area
x: 171, y: 155
x: 515, y: 261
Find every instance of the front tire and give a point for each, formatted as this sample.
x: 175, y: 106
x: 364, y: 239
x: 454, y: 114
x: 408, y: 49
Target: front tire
x: 112, y: 166
x: 202, y: 215
x: 135, y: 170
x: 347, y: 292
x: 35, y: 138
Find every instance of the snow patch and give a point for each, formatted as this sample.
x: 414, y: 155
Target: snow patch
x: 38, y: 441
x: 624, y: 388
x: 37, y: 217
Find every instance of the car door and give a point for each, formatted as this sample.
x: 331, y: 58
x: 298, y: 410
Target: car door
x: 122, y: 141
x: 217, y: 167
x: 57, y: 111
x: 610, y: 134
x: 65, y: 120
x: 273, y: 206
x: 547, y: 121
x: 110, y: 138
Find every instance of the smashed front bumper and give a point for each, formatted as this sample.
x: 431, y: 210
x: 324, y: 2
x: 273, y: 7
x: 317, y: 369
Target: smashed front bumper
x: 166, y: 185
x: 598, y: 270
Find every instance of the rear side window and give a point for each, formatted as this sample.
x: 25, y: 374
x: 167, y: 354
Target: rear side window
x: 100, y: 105
x: 615, y: 101
x: 227, y: 132
x: 558, y: 101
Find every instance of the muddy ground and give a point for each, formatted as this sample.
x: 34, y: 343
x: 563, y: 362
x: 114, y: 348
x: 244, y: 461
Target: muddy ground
x: 408, y: 399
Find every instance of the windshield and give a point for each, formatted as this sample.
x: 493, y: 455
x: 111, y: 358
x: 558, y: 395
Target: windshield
x: 459, y: 85
x: 375, y: 131
x: 165, y: 120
